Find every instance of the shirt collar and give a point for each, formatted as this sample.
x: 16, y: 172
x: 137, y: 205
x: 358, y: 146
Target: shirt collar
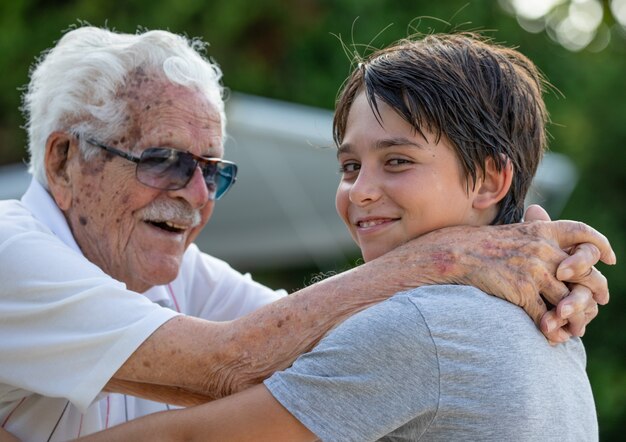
x: 43, y: 207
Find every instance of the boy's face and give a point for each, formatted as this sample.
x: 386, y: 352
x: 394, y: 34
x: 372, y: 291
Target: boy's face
x: 396, y: 185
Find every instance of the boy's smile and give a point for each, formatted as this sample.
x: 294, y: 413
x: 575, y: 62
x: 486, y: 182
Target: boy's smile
x: 395, y: 184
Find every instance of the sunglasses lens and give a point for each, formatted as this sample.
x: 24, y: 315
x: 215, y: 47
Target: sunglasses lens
x: 227, y: 174
x: 219, y: 177
x: 165, y: 169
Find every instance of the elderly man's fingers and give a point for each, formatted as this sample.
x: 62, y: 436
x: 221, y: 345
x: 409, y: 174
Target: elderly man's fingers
x: 579, y: 268
x: 579, y: 308
x: 578, y: 322
x: 562, y: 335
x: 579, y: 300
x: 553, y: 290
x: 599, y: 286
x: 535, y: 212
x: 595, y: 281
x: 572, y: 233
x: 578, y: 264
x: 553, y: 327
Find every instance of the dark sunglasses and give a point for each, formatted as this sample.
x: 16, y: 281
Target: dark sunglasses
x: 170, y: 169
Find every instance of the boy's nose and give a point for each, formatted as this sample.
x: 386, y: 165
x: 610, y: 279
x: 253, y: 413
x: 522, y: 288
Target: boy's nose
x: 365, y: 189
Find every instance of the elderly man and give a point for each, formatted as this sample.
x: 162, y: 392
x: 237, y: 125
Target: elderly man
x: 125, y: 141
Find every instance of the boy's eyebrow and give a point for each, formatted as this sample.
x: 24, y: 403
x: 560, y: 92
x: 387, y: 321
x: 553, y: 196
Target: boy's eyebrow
x: 383, y: 143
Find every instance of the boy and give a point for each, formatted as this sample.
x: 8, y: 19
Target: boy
x: 443, y: 131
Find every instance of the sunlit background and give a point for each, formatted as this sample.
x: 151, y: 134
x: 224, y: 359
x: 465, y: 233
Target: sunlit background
x: 284, y: 62
x: 576, y: 25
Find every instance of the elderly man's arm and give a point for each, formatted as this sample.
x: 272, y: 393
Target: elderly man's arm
x: 517, y: 262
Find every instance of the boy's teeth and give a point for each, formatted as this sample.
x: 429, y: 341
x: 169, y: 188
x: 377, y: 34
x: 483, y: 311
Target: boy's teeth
x: 370, y: 223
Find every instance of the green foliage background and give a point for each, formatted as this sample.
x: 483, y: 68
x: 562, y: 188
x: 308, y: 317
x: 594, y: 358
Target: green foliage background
x: 289, y: 50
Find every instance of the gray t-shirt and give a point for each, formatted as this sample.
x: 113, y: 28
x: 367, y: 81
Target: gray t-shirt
x: 440, y: 363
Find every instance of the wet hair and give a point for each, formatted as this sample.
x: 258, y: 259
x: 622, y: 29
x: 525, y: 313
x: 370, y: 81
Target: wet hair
x: 75, y: 85
x: 484, y: 98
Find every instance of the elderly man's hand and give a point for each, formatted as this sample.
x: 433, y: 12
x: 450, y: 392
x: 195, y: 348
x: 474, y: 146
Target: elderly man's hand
x: 588, y: 288
x: 519, y: 263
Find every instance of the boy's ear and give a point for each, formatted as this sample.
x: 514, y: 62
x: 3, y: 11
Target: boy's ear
x: 58, y: 153
x: 494, y: 185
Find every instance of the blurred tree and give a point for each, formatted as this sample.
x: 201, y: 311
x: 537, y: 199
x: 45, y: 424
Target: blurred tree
x: 290, y: 50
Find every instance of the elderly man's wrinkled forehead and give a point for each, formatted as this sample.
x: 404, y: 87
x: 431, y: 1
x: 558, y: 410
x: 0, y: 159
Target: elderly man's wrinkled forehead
x: 139, y: 80
x: 146, y: 91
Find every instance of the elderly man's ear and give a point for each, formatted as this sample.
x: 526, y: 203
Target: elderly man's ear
x: 60, y: 150
x: 494, y: 185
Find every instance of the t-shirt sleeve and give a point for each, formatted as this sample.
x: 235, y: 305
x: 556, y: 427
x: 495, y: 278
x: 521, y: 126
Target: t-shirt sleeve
x: 370, y: 375
x: 65, y: 326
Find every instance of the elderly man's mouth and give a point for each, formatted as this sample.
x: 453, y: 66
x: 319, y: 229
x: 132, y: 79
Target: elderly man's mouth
x: 168, y: 226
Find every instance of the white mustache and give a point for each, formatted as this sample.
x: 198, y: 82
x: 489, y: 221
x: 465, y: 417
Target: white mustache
x: 179, y: 212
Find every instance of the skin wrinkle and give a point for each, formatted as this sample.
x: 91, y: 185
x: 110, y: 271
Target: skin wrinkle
x: 143, y: 102
x: 94, y: 168
x: 245, y: 369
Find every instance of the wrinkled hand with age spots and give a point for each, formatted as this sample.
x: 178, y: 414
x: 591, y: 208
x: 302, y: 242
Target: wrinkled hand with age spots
x: 588, y: 288
x: 519, y: 263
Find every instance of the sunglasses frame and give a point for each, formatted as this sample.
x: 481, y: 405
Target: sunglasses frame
x: 198, y: 159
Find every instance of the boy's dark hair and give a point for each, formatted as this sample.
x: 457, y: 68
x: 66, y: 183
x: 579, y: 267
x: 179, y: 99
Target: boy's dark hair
x: 486, y: 99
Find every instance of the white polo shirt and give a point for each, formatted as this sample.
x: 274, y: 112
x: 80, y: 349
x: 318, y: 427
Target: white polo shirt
x: 66, y: 326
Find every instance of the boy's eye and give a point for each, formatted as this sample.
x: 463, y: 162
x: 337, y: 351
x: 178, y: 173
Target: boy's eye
x: 349, y: 167
x: 398, y: 162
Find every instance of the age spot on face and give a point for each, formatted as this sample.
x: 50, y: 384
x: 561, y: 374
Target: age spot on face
x: 108, y: 157
x: 82, y: 220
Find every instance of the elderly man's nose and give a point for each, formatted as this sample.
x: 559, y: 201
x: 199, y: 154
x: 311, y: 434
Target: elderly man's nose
x: 195, y: 192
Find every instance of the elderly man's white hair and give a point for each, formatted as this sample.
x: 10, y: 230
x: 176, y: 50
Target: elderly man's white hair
x: 73, y: 87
